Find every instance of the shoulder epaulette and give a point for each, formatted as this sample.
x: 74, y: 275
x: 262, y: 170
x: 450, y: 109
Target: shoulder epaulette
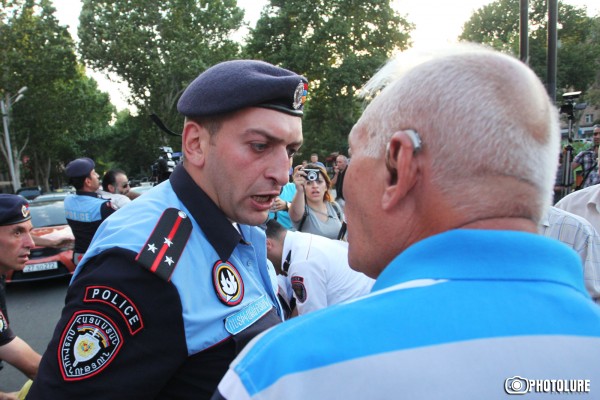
x: 165, y: 245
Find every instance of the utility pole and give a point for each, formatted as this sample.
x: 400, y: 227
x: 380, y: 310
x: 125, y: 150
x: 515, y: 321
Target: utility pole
x: 524, y: 32
x: 552, y: 48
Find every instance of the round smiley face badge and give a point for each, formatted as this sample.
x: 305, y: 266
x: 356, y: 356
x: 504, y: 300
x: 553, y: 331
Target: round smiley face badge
x: 228, y: 283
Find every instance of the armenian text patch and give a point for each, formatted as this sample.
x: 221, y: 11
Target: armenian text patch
x: 89, y: 343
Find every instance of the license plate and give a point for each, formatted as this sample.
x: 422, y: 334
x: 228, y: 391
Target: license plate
x: 41, y: 267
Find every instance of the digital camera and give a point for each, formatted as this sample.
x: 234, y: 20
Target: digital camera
x: 311, y: 174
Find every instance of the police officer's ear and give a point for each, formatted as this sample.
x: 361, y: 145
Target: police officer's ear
x: 195, y: 142
x: 401, y: 165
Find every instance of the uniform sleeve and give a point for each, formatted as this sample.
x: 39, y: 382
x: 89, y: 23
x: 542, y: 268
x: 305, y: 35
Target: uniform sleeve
x: 309, y: 284
x: 120, y: 334
x: 106, y: 209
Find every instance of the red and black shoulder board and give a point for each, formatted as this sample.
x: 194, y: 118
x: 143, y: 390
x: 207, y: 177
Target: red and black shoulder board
x: 161, y: 252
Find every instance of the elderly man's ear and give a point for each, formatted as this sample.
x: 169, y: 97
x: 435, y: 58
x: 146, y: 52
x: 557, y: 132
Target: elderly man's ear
x: 401, y: 168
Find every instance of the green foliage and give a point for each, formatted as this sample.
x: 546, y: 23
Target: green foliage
x: 497, y: 25
x: 337, y: 45
x: 158, y: 46
x: 132, y: 145
x: 63, y: 113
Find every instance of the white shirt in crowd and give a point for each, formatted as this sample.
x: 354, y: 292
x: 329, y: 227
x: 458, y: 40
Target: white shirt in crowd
x: 319, y: 274
x: 577, y: 233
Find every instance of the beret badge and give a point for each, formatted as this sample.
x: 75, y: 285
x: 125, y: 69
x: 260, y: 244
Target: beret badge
x: 300, y: 95
x: 25, y: 210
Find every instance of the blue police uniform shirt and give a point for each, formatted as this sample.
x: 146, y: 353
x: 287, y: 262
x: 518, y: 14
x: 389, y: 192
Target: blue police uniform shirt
x: 85, y: 211
x: 467, y: 314
x: 178, y: 336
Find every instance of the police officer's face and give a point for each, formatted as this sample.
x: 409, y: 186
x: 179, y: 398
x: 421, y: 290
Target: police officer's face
x: 248, y: 162
x: 15, y: 243
x: 93, y: 180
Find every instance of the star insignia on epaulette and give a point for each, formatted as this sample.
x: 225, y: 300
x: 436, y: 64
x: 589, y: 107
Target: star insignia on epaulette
x: 171, y: 232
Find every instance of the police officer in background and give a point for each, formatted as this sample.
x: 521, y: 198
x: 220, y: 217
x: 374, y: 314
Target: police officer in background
x: 176, y: 283
x: 85, y: 210
x: 314, y: 267
x: 15, y: 244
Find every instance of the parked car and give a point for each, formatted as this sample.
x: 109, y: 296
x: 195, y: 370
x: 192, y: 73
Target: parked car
x: 52, y: 196
x: 48, y: 219
x: 30, y: 193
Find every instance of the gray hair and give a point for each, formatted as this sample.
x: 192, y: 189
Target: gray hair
x: 481, y: 115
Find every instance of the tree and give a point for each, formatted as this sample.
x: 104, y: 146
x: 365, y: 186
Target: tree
x: 337, y: 45
x: 63, y: 111
x: 497, y: 25
x: 158, y: 46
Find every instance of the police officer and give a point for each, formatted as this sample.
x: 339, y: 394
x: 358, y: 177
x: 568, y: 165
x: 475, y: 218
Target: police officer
x: 85, y: 210
x: 315, y: 267
x: 176, y: 283
x: 15, y: 244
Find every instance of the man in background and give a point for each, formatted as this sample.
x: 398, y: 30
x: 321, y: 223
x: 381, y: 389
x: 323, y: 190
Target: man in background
x: 115, y: 187
x: 588, y: 160
x: 470, y: 301
x: 577, y: 233
x: 339, y: 171
x: 85, y: 210
x: 314, y: 267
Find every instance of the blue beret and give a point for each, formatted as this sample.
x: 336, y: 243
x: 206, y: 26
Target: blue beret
x: 80, y: 167
x: 233, y: 85
x: 13, y: 209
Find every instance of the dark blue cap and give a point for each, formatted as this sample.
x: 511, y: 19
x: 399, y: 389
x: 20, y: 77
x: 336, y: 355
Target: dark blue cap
x: 14, y: 209
x: 233, y: 85
x: 80, y: 167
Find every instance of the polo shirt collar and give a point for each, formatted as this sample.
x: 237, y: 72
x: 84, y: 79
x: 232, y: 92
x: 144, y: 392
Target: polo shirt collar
x: 467, y: 254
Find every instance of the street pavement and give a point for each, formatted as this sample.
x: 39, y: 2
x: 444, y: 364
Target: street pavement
x: 33, y: 310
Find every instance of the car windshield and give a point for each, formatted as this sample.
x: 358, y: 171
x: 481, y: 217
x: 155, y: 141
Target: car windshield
x: 48, y: 213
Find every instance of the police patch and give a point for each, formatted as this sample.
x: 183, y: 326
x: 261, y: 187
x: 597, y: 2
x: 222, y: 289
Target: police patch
x: 228, y: 283
x: 3, y: 323
x: 299, y: 288
x: 88, y: 344
x: 117, y: 300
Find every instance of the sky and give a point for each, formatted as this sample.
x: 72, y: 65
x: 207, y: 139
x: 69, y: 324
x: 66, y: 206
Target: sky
x: 438, y: 22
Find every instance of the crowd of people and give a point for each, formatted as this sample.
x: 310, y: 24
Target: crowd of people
x: 404, y: 274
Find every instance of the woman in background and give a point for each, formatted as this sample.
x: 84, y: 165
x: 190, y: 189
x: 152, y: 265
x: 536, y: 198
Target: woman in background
x: 313, y: 210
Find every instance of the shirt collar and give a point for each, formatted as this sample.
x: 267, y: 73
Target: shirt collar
x: 91, y: 194
x: 219, y: 231
x: 465, y: 254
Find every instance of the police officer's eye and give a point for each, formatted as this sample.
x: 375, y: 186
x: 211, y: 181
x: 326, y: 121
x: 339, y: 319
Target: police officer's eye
x: 259, y: 146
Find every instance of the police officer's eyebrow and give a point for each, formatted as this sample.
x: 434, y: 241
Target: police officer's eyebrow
x: 270, y: 137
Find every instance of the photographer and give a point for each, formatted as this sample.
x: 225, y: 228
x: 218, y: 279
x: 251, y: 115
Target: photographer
x: 313, y: 209
x: 164, y: 166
